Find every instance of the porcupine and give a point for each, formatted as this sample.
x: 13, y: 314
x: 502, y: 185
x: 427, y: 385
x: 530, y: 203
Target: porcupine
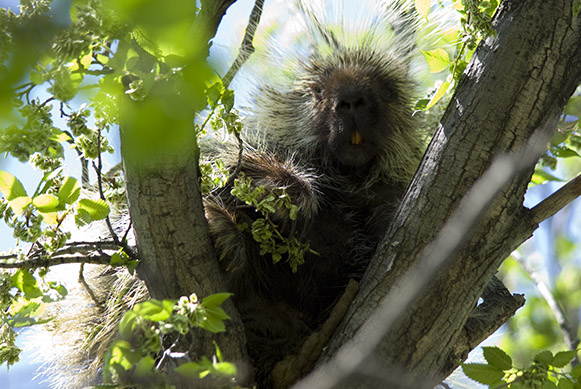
x: 339, y: 137
x: 338, y: 134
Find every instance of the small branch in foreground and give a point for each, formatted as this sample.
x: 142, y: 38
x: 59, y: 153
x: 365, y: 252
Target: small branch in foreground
x: 569, y: 333
x: 246, y: 48
x: 88, y: 287
x: 557, y: 201
x: 74, y: 252
x: 99, y: 259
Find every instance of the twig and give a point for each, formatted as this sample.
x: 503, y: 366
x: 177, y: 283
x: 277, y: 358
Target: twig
x: 569, y: 333
x: 87, y: 286
x: 74, y: 252
x: 99, y: 170
x: 246, y: 48
x: 557, y: 201
x: 99, y: 259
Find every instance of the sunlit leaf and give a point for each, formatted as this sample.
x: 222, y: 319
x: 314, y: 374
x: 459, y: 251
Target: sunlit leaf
x: 154, y: 310
x: 439, y: 94
x: 19, y: 203
x: 96, y: 209
x: 215, y: 299
x: 437, y: 60
x: 69, y: 191
x: 562, y: 358
x: 10, y: 186
x: 46, y: 203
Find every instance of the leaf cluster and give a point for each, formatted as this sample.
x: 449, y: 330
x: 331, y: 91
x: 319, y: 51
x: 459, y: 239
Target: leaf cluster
x: 475, y: 25
x: 270, y: 237
x: 148, y: 329
x: 23, y: 298
x: 545, y: 372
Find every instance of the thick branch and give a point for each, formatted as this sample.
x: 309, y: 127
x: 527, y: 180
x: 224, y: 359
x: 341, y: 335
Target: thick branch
x: 516, y: 83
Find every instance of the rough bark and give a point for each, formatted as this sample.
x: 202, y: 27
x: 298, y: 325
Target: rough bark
x: 517, y: 83
x: 176, y: 255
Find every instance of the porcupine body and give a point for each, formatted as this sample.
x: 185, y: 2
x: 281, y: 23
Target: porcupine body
x: 338, y: 135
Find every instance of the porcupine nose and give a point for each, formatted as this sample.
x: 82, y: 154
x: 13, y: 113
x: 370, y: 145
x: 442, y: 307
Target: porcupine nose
x: 353, y: 106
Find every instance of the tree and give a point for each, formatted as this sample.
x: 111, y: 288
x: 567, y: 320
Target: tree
x: 470, y: 185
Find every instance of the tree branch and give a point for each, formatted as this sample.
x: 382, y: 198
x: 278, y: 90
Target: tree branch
x: 74, y: 252
x: 247, y: 47
x: 557, y: 201
x: 569, y: 333
x: 431, y: 261
x: 502, y: 98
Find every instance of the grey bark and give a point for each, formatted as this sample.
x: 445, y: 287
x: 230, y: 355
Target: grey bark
x: 516, y: 83
x: 176, y: 255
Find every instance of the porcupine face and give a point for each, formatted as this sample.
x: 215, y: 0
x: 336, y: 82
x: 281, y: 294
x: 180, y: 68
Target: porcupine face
x: 352, y: 104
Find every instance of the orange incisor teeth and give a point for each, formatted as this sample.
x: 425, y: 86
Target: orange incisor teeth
x: 356, y: 138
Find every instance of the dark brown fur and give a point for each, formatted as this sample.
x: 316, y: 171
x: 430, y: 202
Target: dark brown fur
x: 347, y: 119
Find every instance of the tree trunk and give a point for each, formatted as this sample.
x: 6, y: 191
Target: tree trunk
x: 160, y: 157
x: 517, y: 83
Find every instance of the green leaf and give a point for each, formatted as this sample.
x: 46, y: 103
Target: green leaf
x: 562, y: 358
x: 23, y: 312
x: 69, y: 191
x: 127, y: 324
x: 565, y: 383
x: 19, y: 203
x: 26, y: 283
x: 117, y: 260
x: 190, y: 370
x: 541, y: 176
x: 439, y: 94
x: 545, y: 357
x: 154, y: 310
x: 564, y: 152
x: 576, y: 372
x: 497, y: 357
x: 10, y: 186
x: 95, y: 209
x: 213, y: 93
x: 215, y: 299
x: 46, y: 203
x: 213, y: 324
x: 482, y: 373
x: 144, y: 367
x: 226, y: 368
x: 437, y: 60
